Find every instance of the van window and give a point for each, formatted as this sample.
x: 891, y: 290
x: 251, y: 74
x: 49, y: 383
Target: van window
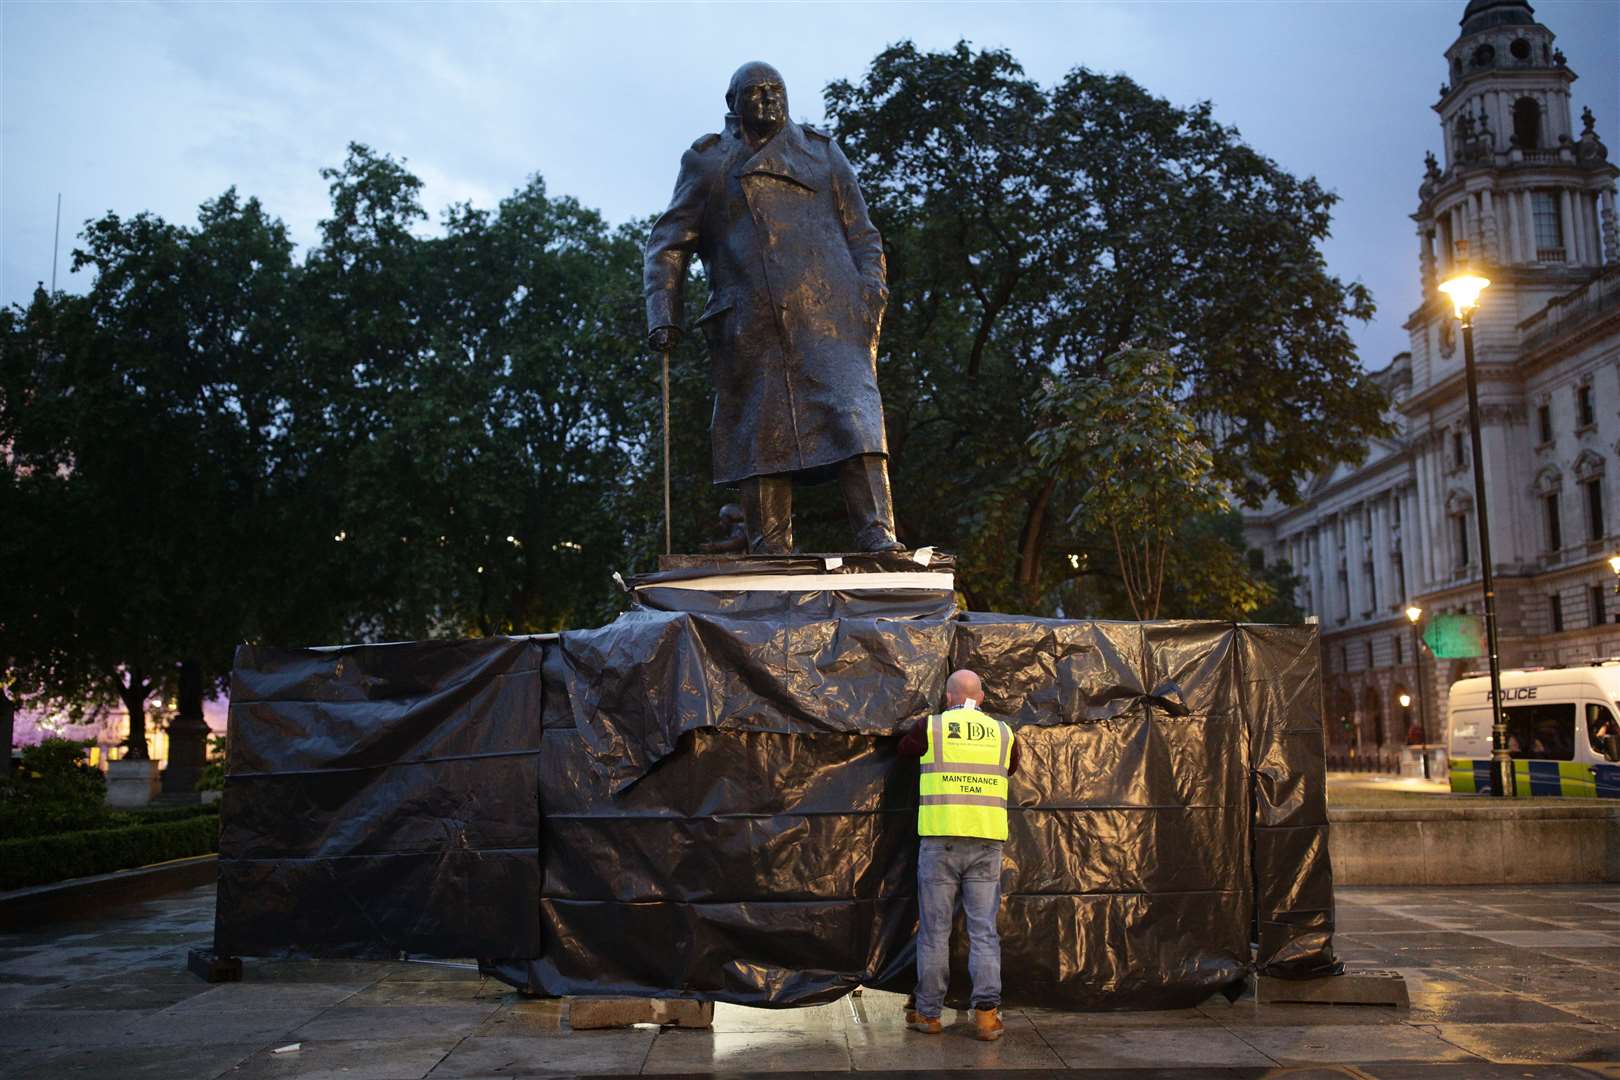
x: 1544, y: 732
x: 1602, y: 732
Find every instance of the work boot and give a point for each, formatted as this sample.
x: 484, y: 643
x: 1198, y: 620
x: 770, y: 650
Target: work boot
x: 916, y: 1021
x: 987, y: 1024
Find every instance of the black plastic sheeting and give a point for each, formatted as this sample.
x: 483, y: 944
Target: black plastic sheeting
x: 721, y: 813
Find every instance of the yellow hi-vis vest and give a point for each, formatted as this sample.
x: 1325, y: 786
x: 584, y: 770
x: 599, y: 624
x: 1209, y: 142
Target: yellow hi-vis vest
x: 964, y: 776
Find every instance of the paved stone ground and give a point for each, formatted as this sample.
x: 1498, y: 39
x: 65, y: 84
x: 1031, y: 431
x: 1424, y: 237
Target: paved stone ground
x: 1505, y: 982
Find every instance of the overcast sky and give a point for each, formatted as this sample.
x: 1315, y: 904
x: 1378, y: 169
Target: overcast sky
x: 131, y: 106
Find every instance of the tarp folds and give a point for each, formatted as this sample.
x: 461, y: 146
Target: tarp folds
x: 722, y: 814
x: 381, y: 799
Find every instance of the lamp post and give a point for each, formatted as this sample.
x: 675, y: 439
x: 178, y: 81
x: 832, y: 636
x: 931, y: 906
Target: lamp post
x: 1413, y: 614
x: 1464, y: 288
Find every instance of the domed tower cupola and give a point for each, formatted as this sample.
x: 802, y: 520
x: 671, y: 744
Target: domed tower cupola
x: 1516, y: 185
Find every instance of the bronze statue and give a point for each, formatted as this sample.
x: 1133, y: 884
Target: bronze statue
x: 796, y: 280
x: 734, y: 533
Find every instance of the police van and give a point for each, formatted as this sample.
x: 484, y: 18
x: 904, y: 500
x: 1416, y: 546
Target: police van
x: 1563, y: 731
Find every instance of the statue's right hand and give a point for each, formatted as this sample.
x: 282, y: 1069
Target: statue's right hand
x: 664, y: 338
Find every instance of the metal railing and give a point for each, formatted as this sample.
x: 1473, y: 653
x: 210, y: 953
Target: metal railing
x: 1369, y: 760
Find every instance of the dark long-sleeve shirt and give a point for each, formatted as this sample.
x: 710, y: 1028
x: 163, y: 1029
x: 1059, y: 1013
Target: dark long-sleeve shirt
x: 914, y: 743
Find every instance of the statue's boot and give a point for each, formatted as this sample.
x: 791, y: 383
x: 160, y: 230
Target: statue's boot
x: 767, y: 503
x: 865, y: 480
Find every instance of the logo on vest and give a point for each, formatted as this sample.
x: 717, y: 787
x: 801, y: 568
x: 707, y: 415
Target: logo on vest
x: 953, y: 729
x: 978, y: 731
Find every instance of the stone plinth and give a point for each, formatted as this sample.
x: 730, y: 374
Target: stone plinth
x: 131, y: 782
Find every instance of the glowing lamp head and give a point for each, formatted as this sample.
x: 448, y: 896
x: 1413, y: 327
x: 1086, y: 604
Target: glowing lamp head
x: 1614, y: 563
x: 1414, y: 613
x: 1464, y: 288
x: 1406, y: 700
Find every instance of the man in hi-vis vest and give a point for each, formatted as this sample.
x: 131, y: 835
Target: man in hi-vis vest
x: 962, y: 819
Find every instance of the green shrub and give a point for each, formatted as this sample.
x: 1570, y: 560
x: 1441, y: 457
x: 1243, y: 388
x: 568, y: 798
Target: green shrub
x: 36, y: 860
x: 54, y: 789
x: 152, y: 815
x: 213, y: 773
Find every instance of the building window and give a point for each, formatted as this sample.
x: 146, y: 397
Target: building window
x: 1398, y: 648
x: 1339, y: 529
x: 1459, y: 532
x: 1372, y: 585
x: 1594, y: 509
x: 1585, y: 415
x: 1400, y: 575
x: 1457, y: 447
x: 1549, y: 227
x: 1544, y: 422
x: 1527, y: 123
x: 1596, y: 602
x: 1395, y: 509
x: 1344, y: 595
x: 1555, y: 530
x: 1369, y: 654
x: 1555, y: 605
x: 1344, y: 658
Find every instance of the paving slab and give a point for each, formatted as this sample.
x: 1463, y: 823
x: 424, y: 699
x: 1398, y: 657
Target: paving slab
x: 357, y: 1059
x: 64, y: 1027
x: 113, y: 995
x: 180, y: 1027
x: 678, y: 1051
x: 587, y: 1052
x: 126, y: 1063
x: 390, y: 992
x: 1483, y: 1008
x: 242, y: 996
x: 1535, y: 1042
x: 1246, y: 1012
x: 1552, y: 938
x: 1022, y: 1047
x: 1475, y: 1070
x: 527, y: 1017
x: 1133, y: 1048
x: 1324, y: 1043
x: 394, y: 1022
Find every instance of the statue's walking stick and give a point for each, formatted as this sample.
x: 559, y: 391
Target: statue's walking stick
x: 667, y: 548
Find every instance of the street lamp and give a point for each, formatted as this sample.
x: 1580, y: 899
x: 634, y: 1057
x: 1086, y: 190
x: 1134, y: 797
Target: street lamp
x: 1614, y: 564
x: 1464, y: 288
x: 1413, y: 614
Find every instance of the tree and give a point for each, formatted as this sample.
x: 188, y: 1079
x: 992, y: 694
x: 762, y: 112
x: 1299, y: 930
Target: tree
x: 1148, y: 470
x: 477, y: 407
x: 143, y: 423
x: 1033, y: 233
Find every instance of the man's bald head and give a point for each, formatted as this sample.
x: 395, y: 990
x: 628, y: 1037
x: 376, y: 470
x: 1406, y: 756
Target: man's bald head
x: 750, y: 74
x: 963, y: 686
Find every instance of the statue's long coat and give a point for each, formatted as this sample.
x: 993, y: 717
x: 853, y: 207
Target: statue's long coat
x: 796, y: 278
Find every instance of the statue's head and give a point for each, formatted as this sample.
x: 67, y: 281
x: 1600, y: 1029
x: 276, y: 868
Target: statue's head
x: 731, y: 514
x: 758, y: 96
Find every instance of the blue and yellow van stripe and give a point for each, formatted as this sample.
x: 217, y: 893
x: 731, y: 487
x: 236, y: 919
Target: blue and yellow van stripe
x: 1574, y: 779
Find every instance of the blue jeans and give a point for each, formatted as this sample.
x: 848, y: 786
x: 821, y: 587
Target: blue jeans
x: 947, y: 865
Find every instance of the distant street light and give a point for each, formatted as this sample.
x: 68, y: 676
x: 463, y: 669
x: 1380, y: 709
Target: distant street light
x: 1614, y: 564
x: 1405, y: 699
x: 1464, y: 288
x: 1413, y: 614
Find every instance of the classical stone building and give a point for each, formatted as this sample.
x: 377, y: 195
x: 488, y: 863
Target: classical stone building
x: 1530, y: 200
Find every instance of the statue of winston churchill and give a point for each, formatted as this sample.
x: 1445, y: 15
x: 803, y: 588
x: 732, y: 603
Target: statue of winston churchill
x: 796, y: 276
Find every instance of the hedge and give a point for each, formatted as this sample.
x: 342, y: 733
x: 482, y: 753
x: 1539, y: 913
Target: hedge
x: 37, y: 860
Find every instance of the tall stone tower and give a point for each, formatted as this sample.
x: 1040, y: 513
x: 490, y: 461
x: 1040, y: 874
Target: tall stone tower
x: 1530, y: 201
